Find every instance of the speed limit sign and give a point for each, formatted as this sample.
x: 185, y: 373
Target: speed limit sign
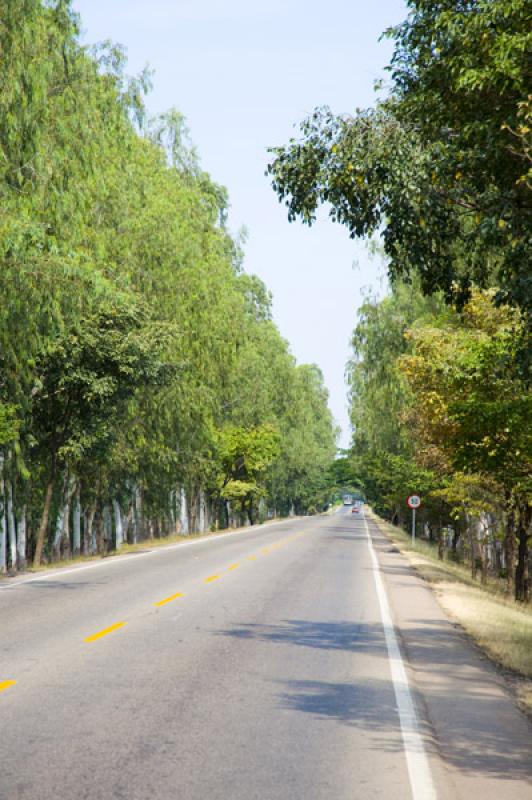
x: 413, y: 502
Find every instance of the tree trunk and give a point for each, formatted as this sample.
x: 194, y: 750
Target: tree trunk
x: 139, y: 521
x: 107, y: 529
x: 128, y: 523
x: 87, y: 529
x: 483, y: 564
x: 454, y: 544
x: 509, y: 551
x: 250, y: 514
x: 76, y: 523
x: 56, y: 545
x: 21, y: 539
x: 227, y: 521
x: 473, y: 550
x: 183, y: 512
x: 60, y: 520
x: 119, y: 529
x: 11, y: 528
x: 66, y: 548
x: 3, y: 523
x: 192, y: 507
x: 41, y: 533
x: 441, y: 542
x: 99, y: 532
x: 522, y: 580
x: 201, y: 501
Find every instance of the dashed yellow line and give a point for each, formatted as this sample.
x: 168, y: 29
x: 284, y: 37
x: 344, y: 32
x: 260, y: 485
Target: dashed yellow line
x: 233, y: 566
x: 265, y: 550
x: 104, y: 632
x: 211, y: 578
x: 169, y: 599
x: 252, y: 558
x: 6, y: 684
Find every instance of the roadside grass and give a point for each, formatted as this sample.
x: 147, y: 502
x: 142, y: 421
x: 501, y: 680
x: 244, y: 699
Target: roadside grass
x: 138, y: 547
x: 499, y: 627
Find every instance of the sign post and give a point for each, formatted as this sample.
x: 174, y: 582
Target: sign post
x: 413, y: 502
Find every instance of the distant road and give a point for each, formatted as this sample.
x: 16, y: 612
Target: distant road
x: 253, y: 666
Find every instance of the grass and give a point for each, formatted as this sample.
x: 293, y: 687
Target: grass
x: 139, y: 547
x: 502, y: 629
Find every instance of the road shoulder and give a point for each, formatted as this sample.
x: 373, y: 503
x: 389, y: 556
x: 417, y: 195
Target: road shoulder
x: 480, y: 734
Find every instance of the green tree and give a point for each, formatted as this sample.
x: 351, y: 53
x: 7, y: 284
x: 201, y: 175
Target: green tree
x: 83, y: 381
x: 472, y: 401
x: 244, y: 455
x: 441, y: 167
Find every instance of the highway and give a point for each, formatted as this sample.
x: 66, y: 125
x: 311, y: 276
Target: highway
x: 301, y: 660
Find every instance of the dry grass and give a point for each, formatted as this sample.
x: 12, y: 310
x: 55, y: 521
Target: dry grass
x: 499, y: 627
x: 139, y: 547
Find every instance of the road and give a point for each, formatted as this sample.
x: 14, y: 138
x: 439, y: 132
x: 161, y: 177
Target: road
x: 297, y: 660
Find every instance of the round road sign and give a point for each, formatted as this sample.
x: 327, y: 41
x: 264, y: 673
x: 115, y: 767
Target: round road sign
x: 413, y: 501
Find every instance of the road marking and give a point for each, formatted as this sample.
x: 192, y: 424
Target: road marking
x: 252, y: 558
x: 6, y: 684
x: 211, y: 578
x: 265, y: 550
x: 104, y: 632
x: 416, y: 758
x: 233, y: 566
x: 168, y: 599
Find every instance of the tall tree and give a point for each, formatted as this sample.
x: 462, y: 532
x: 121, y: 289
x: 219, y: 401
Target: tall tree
x: 442, y: 166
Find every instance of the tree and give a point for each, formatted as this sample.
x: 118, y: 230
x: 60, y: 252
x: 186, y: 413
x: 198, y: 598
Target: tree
x: 244, y: 455
x: 472, y: 401
x: 83, y: 382
x: 442, y: 166
x: 130, y: 338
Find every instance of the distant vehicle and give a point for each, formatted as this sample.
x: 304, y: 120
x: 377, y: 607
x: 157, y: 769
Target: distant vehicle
x: 355, y: 509
x: 348, y: 500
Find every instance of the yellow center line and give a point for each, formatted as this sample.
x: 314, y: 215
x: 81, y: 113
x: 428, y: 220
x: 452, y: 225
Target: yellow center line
x: 265, y: 550
x: 233, y: 566
x: 104, y: 632
x: 252, y: 558
x: 6, y: 684
x: 211, y: 578
x: 168, y: 599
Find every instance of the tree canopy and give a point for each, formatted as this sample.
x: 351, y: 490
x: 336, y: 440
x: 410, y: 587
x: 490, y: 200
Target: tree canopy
x: 144, y: 388
x: 440, y: 167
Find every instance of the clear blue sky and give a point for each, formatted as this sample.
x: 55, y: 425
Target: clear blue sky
x: 244, y: 73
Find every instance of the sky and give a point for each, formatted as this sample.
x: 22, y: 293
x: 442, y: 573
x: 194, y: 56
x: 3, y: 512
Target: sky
x: 245, y: 74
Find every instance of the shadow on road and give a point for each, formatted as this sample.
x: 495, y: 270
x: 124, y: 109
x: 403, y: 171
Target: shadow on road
x: 368, y: 704
x: 59, y: 584
x: 476, y: 740
x: 348, y: 636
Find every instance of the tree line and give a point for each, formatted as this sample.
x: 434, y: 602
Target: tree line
x: 440, y: 169
x: 144, y: 388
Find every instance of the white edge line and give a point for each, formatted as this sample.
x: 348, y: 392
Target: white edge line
x: 419, y: 773
x: 120, y: 559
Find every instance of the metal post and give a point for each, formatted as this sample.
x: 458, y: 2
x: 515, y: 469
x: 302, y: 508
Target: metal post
x: 413, y: 525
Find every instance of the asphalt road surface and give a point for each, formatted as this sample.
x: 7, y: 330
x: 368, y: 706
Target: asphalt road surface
x: 300, y: 660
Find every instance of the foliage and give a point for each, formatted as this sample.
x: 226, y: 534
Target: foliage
x: 442, y: 166
x: 244, y: 455
x: 440, y: 407
x: 140, y: 369
x: 471, y: 396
